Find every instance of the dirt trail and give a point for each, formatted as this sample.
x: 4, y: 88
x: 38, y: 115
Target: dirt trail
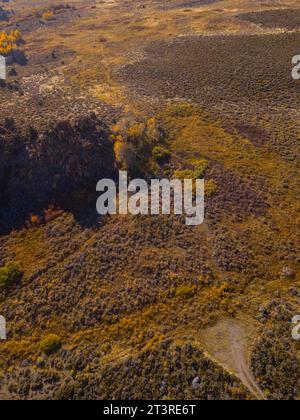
x: 227, y: 343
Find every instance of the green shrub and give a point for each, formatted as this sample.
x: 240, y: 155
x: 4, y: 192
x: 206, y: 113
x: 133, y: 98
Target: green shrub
x: 161, y: 155
x: 50, y: 344
x: 10, y: 274
x: 200, y: 168
x: 181, y: 110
